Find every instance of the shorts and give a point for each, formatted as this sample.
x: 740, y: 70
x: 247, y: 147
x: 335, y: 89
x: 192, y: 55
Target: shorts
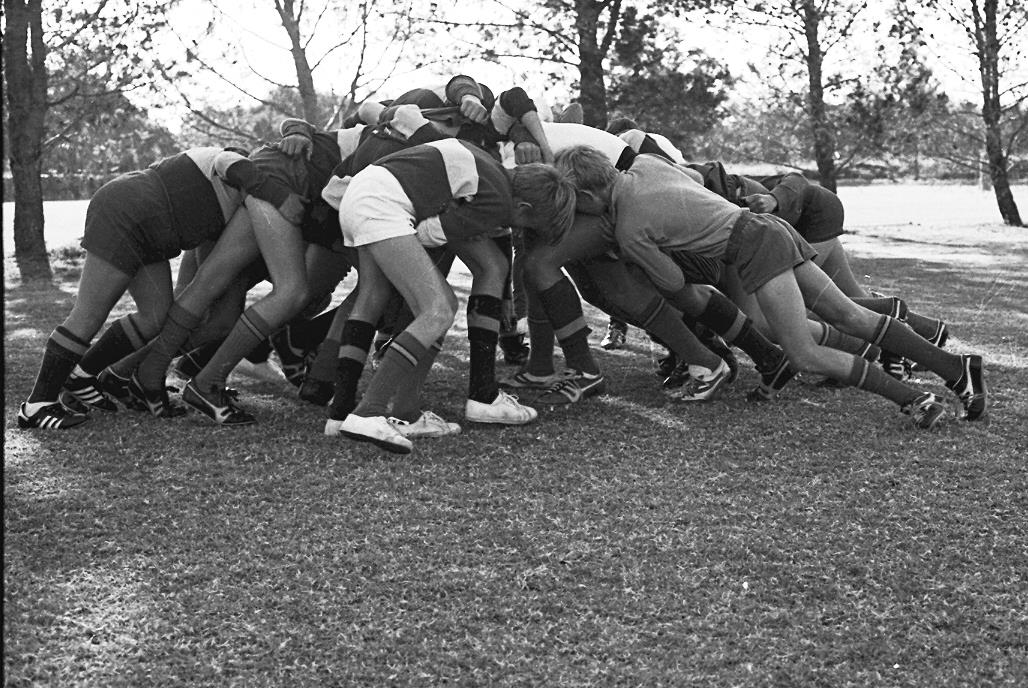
x: 129, y: 223
x: 697, y: 269
x: 375, y: 208
x: 762, y: 247
x: 822, y: 217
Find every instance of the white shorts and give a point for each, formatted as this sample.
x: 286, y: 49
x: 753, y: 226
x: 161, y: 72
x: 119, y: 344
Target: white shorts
x: 375, y: 208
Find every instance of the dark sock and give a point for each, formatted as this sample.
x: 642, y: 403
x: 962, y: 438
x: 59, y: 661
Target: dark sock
x: 260, y: 353
x: 323, y: 367
x: 193, y: 361
x: 834, y: 339
x: 177, y: 326
x: 355, y: 341
x: 394, y: 373
x: 897, y: 337
x: 665, y: 324
x: 540, y: 338
x: 892, y: 306
x: 62, y: 353
x: 483, y: 331
x: 245, y: 336
x: 873, y: 379
x: 407, y: 406
x: 735, y: 327
x: 118, y: 341
x: 564, y: 310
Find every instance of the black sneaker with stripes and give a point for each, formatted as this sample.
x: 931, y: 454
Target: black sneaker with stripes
x: 50, y: 417
x: 970, y: 388
x: 88, y: 392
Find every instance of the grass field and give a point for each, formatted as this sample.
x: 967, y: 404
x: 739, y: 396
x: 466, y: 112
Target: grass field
x: 818, y: 540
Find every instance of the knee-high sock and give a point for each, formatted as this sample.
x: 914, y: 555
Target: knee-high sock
x: 735, y: 327
x: 873, y: 379
x: 352, y: 354
x: 665, y: 324
x: 306, y: 334
x: 897, y: 308
x: 63, y: 351
x: 249, y: 331
x: 323, y: 367
x: 834, y: 339
x: 483, y: 333
x: 194, y: 360
x: 118, y: 341
x: 177, y: 326
x: 393, y: 375
x: 127, y: 365
x: 564, y: 309
x: 407, y: 406
x: 897, y: 337
x: 540, y: 338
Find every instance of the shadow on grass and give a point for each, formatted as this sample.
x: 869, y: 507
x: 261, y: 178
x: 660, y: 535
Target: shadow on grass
x: 814, y: 540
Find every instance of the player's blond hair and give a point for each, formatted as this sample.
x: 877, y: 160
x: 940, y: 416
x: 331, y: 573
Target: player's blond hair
x: 551, y: 195
x: 587, y: 168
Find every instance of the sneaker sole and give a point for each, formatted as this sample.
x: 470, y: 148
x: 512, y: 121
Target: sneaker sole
x: 381, y: 444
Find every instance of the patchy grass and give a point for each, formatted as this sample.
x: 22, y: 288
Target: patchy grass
x: 818, y: 540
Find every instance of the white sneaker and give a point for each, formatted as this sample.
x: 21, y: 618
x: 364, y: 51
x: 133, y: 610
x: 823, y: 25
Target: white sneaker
x: 504, y: 410
x: 375, y: 429
x: 265, y: 371
x: 428, y: 425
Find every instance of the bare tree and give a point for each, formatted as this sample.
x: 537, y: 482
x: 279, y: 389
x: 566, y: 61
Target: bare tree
x: 353, y: 47
x: 994, y: 31
x: 56, y: 64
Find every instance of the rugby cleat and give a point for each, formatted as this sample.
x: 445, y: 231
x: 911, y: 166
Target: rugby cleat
x: 50, y: 417
x: 427, y: 425
x: 374, y: 429
x: 617, y: 333
x: 317, y: 392
x: 87, y: 392
x: 157, y: 404
x: 703, y: 389
x: 504, y: 410
x: 894, y: 366
x: 925, y: 411
x: 526, y: 380
x: 772, y: 381
x: 970, y: 388
x: 575, y: 386
x: 222, y: 409
x: 117, y: 387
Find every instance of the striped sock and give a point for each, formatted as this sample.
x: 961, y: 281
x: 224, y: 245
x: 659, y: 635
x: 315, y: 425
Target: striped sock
x: 177, y: 326
x: 394, y: 375
x: 897, y: 337
x: 118, y: 341
x: 62, y: 353
x: 873, y: 379
x: 249, y: 331
x: 564, y: 310
x: 352, y: 354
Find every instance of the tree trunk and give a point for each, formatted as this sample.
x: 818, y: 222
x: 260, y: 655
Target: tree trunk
x: 824, y: 138
x: 986, y: 38
x: 592, y: 88
x: 25, y: 73
x: 304, y: 77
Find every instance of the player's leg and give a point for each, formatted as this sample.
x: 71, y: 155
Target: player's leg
x: 489, y: 269
x: 283, y: 249
x: 235, y: 249
x: 101, y: 285
x: 963, y: 373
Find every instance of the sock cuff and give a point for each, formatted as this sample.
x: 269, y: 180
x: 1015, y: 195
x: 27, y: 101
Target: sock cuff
x: 826, y: 332
x: 358, y: 333
x: 180, y: 316
x: 407, y: 348
x: 898, y: 309
x: 255, y: 323
x: 65, y: 340
x: 652, y: 311
x: 131, y: 330
x: 881, y: 330
x: 858, y: 373
x: 484, y: 312
x: 720, y: 315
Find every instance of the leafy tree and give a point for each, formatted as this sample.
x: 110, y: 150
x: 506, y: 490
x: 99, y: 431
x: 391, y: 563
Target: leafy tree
x: 57, y: 62
x: 681, y: 96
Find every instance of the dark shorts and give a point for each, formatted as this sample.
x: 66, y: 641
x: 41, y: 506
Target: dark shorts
x: 698, y: 269
x: 823, y: 215
x: 764, y: 246
x: 129, y: 223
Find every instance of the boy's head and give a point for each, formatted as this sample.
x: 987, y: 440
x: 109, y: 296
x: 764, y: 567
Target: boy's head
x: 544, y: 201
x: 620, y: 124
x: 591, y: 172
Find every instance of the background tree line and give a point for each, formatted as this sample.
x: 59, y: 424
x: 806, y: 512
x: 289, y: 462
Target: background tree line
x: 815, y: 99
